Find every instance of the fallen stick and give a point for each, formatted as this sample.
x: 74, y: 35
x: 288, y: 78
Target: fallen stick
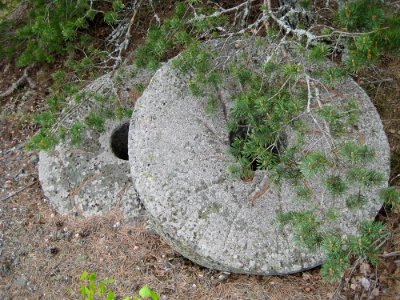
x: 22, y: 80
x: 17, y: 192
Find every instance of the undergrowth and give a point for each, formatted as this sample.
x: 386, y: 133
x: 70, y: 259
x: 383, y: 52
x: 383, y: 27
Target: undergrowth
x: 60, y: 31
x: 58, y: 27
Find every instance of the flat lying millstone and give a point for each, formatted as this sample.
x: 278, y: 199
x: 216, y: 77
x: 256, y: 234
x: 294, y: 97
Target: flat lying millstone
x: 178, y: 156
x: 90, y: 179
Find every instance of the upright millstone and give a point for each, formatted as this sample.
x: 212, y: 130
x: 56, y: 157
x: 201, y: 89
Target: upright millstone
x: 94, y: 177
x: 178, y: 156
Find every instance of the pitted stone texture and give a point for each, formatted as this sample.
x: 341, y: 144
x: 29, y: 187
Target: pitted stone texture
x: 90, y: 179
x: 179, y: 157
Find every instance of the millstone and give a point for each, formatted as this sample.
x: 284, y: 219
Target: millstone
x: 178, y: 158
x: 94, y: 177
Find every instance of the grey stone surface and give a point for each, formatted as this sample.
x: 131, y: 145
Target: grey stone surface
x: 21, y: 281
x: 90, y: 179
x: 179, y: 157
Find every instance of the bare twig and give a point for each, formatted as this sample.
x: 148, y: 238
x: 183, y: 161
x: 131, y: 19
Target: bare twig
x: 221, y: 11
x: 297, y: 32
x: 312, y: 38
x: 391, y: 254
x: 22, y: 80
x: 394, y: 178
x: 154, y: 11
x: 123, y: 46
x: 260, y: 190
x: 17, y: 192
x: 339, y: 288
x: 309, y: 94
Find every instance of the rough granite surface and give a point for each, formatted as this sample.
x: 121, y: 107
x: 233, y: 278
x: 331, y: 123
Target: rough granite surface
x: 179, y: 157
x: 89, y: 179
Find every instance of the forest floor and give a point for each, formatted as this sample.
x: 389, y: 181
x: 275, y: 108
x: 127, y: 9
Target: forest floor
x: 43, y: 254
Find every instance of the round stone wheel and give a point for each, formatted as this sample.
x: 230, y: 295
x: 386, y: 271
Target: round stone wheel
x: 94, y: 177
x: 179, y: 157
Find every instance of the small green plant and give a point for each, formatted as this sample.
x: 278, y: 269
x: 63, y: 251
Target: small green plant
x: 304, y: 192
x: 380, y: 26
x: 357, y: 154
x: 365, y: 178
x: 54, y: 29
x: 93, y: 288
x: 336, y: 185
x: 319, y: 53
x: 333, y: 76
x: 312, y: 164
x: 356, y: 201
x: 338, y: 251
x: 337, y: 257
x: 307, y: 227
x: 390, y: 197
x: 52, y: 131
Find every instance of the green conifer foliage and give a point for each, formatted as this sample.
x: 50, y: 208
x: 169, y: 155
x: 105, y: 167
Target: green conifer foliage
x: 364, y: 177
x: 53, y: 27
x: 337, y: 258
x: 381, y: 28
x: 363, y: 245
x: 390, y: 197
x: 307, y: 227
x: 356, y: 201
x: 336, y: 185
x: 43, y: 140
x: 357, y: 154
x: 313, y: 163
x: 304, y: 193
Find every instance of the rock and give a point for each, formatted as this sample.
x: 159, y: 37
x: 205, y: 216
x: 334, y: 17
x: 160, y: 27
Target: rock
x: 91, y: 179
x: 178, y: 158
x: 365, y: 269
x: 21, y: 281
x: 117, y: 225
x: 365, y: 283
x: 375, y: 292
x: 354, y: 286
x: 34, y: 159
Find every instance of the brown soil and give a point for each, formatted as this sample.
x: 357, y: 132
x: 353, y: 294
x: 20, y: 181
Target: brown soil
x: 42, y: 254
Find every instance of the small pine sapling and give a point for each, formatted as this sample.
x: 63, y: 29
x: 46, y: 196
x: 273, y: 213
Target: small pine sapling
x: 365, y: 178
x: 356, y: 201
x: 313, y: 163
x: 336, y: 185
x: 356, y: 154
x: 390, y: 197
x: 337, y: 259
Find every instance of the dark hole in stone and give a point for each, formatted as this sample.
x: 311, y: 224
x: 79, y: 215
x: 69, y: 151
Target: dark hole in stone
x: 381, y: 214
x: 119, y: 141
x: 242, y: 131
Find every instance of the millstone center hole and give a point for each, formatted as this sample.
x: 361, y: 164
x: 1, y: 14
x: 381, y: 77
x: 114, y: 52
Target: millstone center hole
x: 119, y: 141
x: 242, y: 132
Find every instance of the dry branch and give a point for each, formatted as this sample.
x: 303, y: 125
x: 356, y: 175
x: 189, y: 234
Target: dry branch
x: 297, y: 32
x: 17, y: 192
x: 24, y: 79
